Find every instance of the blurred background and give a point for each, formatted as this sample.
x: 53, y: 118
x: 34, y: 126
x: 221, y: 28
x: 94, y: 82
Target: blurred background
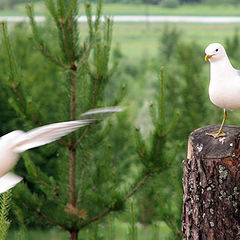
x: 141, y: 49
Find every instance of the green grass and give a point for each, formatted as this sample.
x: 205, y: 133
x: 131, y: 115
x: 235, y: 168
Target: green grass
x: 195, y: 10
x: 141, y: 9
x: 120, y: 232
x: 137, y: 40
x: 53, y: 234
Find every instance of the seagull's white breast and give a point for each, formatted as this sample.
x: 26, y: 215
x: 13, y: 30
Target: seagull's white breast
x: 8, y: 156
x: 224, y: 88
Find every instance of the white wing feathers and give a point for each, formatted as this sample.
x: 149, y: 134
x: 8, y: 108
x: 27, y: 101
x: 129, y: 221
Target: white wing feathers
x: 18, y: 141
x: 103, y: 112
x: 52, y: 132
x: 8, y: 181
x: 46, y: 134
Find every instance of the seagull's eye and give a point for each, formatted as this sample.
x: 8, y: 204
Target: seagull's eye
x: 216, y: 50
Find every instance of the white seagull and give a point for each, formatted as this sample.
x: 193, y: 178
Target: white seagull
x: 16, y: 142
x: 224, y: 87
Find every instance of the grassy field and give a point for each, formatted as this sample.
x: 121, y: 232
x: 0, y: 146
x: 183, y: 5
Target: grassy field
x: 138, y: 40
x: 141, y: 9
x: 120, y: 231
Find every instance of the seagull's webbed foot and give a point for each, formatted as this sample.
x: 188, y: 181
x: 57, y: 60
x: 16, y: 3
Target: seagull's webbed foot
x: 217, y: 134
x: 220, y: 132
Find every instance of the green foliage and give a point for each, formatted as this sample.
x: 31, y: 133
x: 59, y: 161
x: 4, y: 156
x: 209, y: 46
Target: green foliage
x: 10, y: 3
x: 168, y: 43
x: 22, y: 234
x: 214, y: 2
x: 162, y: 157
x: 232, y: 46
x: 132, y: 229
x: 170, y: 3
x: 5, y: 199
x: 154, y: 155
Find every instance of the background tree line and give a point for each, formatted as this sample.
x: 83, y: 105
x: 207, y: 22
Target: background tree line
x: 164, y: 3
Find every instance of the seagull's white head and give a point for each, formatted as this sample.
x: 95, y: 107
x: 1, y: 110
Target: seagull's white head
x: 215, y: 52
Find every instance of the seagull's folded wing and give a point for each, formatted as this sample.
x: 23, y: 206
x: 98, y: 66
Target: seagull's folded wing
x: 8, y: 181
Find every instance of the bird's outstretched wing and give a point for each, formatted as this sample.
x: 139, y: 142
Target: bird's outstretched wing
x: 8, y: 181
x: 238, y: 73
x: 100, y: 113
x: 52, y: 132
x: 46, y: 134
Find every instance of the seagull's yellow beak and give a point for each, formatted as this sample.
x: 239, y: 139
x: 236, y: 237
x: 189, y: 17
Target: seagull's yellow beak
x: 207, y: 57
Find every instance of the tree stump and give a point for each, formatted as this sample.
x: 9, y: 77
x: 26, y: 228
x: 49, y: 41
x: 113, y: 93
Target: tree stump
x: 211, y: 186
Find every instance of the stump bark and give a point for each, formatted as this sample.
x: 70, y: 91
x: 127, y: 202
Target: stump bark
x: 211, y: 186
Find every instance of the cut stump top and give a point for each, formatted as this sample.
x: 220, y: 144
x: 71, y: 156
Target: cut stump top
x: 210, y: 147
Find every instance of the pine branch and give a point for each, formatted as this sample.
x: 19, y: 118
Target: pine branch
x: 104, y: 133
x: 161, y: 101
x: 65, y: 43
x: 99, y: 12
x: 72, y: 148
x: 157, y: 149
x: 167, y: 218
x: 139, y: 185
x: 20, y: 97
x: 109, y: 210
x: 15, y: 78
x: 22, y: 235
x: 119, y: 99
x: 141, y: 148
x: 133, y: 227
x: 51, y: 57
x: 71, y: 7
x: 60, y: 8
x: 52, y: 9
x: 4, y: 222
x: 39, y: 43
x: 89, y: 19
x: 95, y: 91
x: 96, y: 218
x: 85, y: 55
x: 87, y: 129
x: 40, y: 178
x: 38, y: 212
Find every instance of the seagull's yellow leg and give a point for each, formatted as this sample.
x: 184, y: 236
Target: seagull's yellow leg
x: 220, y: 132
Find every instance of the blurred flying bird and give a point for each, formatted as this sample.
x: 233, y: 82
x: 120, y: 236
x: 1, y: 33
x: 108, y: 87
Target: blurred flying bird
x: 16, y: 142
x: 224, y: 87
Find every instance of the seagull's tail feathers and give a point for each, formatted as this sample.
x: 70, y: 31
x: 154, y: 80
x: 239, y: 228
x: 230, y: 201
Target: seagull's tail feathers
x: 8, y: 181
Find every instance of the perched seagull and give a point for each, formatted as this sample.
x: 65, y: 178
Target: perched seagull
x: 16, y: 142
x: 224, y: 87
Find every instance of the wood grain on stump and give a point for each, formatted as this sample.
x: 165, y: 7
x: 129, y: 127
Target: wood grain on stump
x: 211, y: 186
